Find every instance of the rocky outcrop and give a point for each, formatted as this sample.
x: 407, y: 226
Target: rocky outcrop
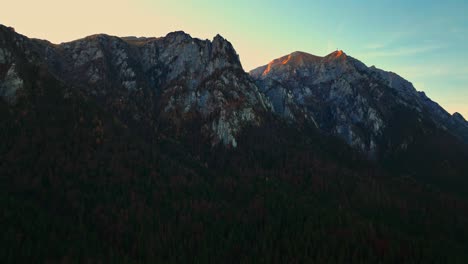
x: 342, y: 96
x: 10, y: 84
x: 328, y: 92
x: 173, y: 80
x: 459, y: 117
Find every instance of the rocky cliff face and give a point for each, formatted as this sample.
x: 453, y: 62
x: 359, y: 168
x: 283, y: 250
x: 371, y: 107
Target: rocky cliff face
x: 342, y: 96
x: 182, y: 86
x: 172, y: 80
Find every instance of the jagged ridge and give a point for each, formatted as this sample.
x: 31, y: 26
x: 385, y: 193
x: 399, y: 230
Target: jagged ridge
x: 158, y: 83
x: 162, y: 84
x: 342, y: 96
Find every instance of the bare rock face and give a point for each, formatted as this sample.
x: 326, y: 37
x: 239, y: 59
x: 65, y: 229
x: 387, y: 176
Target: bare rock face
x: 327, y: 92
x: 4, y: 56
x: 182, y: 86
x: 173, y: 80
x: 10, y: 81
x: 10, y: 84
x: 342, y: 96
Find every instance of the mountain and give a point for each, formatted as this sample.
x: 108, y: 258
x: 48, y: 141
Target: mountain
x: 153, y: 81
x: 163, y: 150
x: 364, y: 106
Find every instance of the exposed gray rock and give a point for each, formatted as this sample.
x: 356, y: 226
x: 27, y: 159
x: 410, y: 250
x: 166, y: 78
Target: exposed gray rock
x: 322, y: 91
x: 10, y: 85
x: 4, y: 56
x: 189, y: 79
x: 342, y: 96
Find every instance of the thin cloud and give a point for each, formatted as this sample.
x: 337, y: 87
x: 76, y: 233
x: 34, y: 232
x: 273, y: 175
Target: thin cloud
x: 388, y: 46
x: 423, y: 71
x: 405, y: 51
x: 433, y: 71
x: 375, y: 46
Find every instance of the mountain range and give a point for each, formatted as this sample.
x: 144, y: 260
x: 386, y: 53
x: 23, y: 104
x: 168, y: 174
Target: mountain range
x: 133, y: 149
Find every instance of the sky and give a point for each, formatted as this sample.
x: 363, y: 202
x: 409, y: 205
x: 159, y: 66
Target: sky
x: 426, y: 42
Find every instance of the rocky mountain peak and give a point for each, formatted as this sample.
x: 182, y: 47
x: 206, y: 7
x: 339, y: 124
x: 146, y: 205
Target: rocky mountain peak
x: 459, y: 116
x: 336, y: 54
x: 342, y: 96
x: 295, y: 60
x: 178, y: 35
x: 336, y: 57
x: 218, y: 38
x: 301, y: 63
x: 339, y: 53
x: 222, y: 48
x: 5, y: 28
x: 175, y: 80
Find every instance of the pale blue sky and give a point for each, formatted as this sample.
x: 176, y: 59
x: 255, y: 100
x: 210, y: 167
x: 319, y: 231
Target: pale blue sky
x: 424, y: 41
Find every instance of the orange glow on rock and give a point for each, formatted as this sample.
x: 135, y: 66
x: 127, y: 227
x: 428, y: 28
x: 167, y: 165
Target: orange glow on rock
x: 286, y: 60
x: 268, y: 69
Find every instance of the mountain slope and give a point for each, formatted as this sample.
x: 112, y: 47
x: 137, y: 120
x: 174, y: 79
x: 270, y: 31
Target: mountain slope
x: 156, y: 83
x: 342, y: 96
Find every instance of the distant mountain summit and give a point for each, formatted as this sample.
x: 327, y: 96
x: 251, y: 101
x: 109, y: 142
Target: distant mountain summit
x: 367, y: 107
x: 295, y: 60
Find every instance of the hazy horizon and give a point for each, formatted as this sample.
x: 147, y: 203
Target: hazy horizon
x: 424, y: 42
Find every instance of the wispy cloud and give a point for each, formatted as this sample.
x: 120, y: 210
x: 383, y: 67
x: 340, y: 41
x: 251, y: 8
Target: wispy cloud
x: 374, y: 46
x: 393, y: 45
x: 378, y: 45
x: 403, y: 51
x: 434, y: 71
